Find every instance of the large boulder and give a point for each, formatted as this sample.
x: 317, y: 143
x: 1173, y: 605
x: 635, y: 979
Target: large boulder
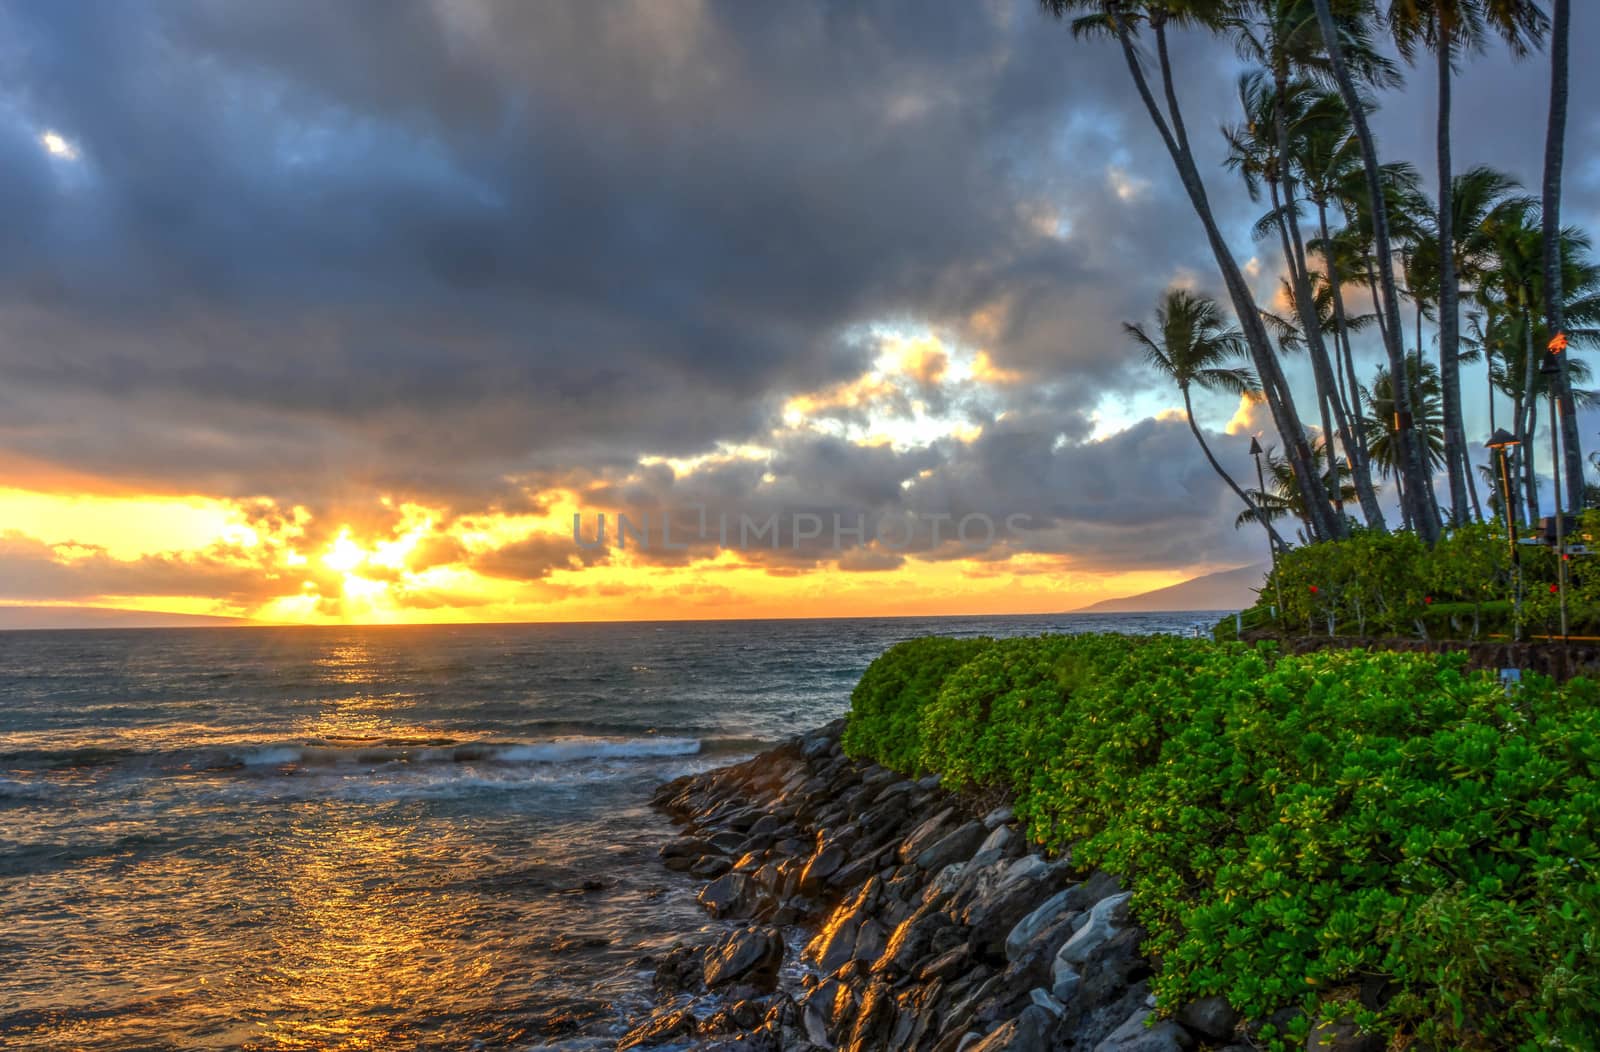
x: 925, y: 836
x: 955, y: 846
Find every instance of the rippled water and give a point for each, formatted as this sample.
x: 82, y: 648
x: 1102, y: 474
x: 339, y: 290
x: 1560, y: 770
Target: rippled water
x: 377, y: 838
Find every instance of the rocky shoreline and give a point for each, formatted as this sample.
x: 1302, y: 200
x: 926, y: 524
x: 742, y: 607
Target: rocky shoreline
x: 868, y: 911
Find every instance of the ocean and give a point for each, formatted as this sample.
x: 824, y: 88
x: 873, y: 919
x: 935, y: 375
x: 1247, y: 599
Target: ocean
x: 379, y: 838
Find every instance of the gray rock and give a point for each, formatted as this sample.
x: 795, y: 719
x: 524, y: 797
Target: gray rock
x: 925, y: 835
x: 1210, y: 1017
x: 1028, y: 1032
x: 1100, y: 926
x: 1135, y: 1036
x: 998, y: 839
x: 1064, y: 982
x: 998, y: 817
x: 1044, y: 999
x: 1029, y: 927
x: 992, y: 916
x: 943, y: 966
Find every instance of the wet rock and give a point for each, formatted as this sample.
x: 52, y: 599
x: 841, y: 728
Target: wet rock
x: 910, y: 942
x: 749, y: 955
x: 710, y: 867
x: 734, y: 895
x: 680, y: 970
x: 875, y: 1019
x: 1135, y: 1036
x: 659, y: 1029
x: 822, y: 865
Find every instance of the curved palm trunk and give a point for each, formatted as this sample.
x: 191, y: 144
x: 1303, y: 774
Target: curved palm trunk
x: 1417, y: 488
x: 1260, y: 516
x: 1305, y: 305
x: 1285, y: 418
x: 1361, y: 464
x: 1555, y: 299
x: 1455, y: 439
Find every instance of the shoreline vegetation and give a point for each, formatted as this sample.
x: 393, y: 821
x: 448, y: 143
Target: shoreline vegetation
x: 1152, y: 843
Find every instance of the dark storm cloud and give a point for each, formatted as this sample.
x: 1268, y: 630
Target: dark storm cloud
x: 458, y: 252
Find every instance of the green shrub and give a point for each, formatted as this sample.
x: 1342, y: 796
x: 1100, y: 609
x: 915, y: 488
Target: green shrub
x: 1293, y: 826
x: 886, y: 706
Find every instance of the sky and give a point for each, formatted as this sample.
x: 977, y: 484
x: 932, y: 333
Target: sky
x: 343, y: 312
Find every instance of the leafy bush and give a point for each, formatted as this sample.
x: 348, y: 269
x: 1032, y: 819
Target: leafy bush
x: 886, y: 705
x: 1391, y: 584
x: 1294, y: 826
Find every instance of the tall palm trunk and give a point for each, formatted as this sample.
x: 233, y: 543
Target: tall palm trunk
x: 1555, y: 145
x: 1455, y: 439
x: 1528, y: 417
x: 1417, y: 488
x: 1285, y: 418
x: 1260, y: 513
x: 1361, y: 464
x: 1305, y: 304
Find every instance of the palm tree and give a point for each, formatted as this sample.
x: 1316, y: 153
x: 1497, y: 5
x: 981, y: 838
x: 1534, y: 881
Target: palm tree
x: 1418, y: 495
x: 1554, y: 157
x: 1384, y: 439
x: 1261, y: 149
x: 1191, y: 345
x: 1451, y: 28
x: 1120, y: 20
x: 1281, y: 498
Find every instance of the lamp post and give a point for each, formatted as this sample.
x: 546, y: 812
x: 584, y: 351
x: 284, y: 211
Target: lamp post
x: 1551, y: 368
x: 1501, y: 441
x: 1261, y: 492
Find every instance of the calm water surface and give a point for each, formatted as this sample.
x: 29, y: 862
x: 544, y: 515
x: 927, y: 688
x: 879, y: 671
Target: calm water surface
x: 377, y: 838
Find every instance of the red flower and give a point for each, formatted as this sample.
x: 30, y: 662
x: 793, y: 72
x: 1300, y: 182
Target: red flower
x: 1427, y: 600
x: 1313, y: 589
x: 1552, y: 589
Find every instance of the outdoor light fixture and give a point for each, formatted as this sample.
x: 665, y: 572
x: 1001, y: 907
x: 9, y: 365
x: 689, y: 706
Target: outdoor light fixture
x: 1501, y: 441
x: 1261, y: 492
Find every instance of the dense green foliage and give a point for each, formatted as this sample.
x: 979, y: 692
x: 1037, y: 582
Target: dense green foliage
x: 1465, y: 587
x: 1294, y: 827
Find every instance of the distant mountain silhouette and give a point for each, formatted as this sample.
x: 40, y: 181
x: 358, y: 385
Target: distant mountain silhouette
x: 1224, y: 590
x: 19, y: 617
